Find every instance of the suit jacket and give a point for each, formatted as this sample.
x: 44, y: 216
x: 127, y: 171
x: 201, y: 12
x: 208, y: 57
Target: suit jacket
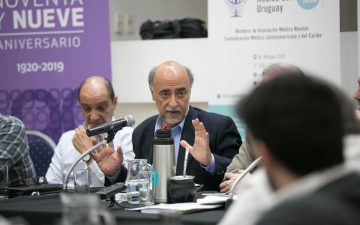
x: 335, y: 203
x: 243, y: 159
x: 224, y: 141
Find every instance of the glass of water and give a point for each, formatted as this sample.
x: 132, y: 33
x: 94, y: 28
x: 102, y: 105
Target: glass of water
x: 82, y: 180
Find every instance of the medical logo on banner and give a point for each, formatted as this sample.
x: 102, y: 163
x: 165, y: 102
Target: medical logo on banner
x: 235, y: 7
x: 308, y: 4
x: 47, y: 47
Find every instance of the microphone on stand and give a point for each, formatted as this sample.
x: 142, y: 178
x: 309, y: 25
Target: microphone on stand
x: 114, y: 126
x: 250, y: 168
x: 110, y: 128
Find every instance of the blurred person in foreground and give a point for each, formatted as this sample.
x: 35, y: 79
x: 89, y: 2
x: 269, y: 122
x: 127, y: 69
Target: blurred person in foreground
x: 14, y: 151
x: 97, y: 103
x: 356, y: 96
x: 246, y: 153
x: 299, y: 135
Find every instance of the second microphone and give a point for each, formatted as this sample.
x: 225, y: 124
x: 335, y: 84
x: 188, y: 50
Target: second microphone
x: 113, y: 126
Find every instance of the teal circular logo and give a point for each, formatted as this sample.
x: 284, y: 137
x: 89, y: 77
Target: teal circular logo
x: 308, y: 4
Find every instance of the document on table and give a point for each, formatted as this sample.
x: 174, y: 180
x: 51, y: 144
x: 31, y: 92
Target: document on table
x: 212, y: 199
x: 186, y: 207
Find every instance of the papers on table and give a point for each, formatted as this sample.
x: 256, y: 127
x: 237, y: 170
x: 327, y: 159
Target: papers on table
x: 212, y: 199
x: 186, y: 207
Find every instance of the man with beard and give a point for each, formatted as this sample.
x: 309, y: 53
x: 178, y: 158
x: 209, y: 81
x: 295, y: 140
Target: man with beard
x: 170, y: 85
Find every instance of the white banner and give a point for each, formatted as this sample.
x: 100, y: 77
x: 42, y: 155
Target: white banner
x: 247, y: 35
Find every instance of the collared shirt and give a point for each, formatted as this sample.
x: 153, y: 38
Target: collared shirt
x: 14, y: 150
x: 253, y: 197
x: 310, y: 183
x: 257, y: 196
x: 176, y: 135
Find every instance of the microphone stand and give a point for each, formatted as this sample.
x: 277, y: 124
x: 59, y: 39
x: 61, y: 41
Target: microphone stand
x: 110, y: 138
x: 246, y: 171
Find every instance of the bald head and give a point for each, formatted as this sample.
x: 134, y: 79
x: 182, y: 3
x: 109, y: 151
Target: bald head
x: 279, y: 69
x: 170, y: 66
x: 97, y: 100
x: 97, y: 81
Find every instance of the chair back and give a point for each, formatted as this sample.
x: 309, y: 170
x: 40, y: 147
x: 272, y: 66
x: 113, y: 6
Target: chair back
x: 41, y: 148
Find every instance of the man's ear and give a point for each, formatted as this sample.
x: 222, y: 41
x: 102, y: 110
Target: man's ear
x: 152, y: 94
x: 115, y: 100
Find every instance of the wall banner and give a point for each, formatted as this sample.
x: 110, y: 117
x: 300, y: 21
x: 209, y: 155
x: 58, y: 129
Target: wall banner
x: 245, y: 36
x: 47, y: 47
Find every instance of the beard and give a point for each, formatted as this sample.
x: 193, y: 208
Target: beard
x: 172, y: 116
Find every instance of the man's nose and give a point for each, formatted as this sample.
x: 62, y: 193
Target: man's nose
x: 94, y: 116
x: 173, y: 101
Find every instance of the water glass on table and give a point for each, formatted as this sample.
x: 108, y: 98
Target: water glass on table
x: 83, y: 209
x: 82, y: 180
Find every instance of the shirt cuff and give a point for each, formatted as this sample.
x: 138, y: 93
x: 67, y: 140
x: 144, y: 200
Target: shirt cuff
x: 211, y: 167
x: 95, y: 171
x: 113, y: 179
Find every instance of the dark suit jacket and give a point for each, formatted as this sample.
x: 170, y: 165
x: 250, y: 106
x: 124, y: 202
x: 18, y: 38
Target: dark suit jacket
x: 224, y: 143
x: 336, y: 203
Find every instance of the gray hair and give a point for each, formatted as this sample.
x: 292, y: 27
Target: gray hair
x: 281, y: 68
x: 153, y: 71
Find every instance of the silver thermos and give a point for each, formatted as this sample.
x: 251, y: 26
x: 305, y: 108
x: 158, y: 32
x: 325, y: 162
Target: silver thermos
x: 163, y: 163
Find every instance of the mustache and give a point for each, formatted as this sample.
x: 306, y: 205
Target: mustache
x: 91, y: 125
x: 170, y: 109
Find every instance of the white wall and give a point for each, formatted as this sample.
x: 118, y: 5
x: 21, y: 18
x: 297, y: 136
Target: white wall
x: 141, y: 10
x: 133, y: 60
x: 349, y: 61
x: 131, y: 63
x: 142, y: 60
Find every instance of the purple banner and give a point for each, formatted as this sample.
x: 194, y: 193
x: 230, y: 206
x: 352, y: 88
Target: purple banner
x: 47, y: 47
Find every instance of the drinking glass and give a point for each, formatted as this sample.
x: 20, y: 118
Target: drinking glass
x: 82, y: 180
x: 83, y: 209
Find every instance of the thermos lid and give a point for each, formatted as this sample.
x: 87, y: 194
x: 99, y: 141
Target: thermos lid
x: 163, y: 137
x: 163, y: 133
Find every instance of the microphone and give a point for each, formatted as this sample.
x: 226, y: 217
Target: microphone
x: 250, y: 168
x: 113, y: 126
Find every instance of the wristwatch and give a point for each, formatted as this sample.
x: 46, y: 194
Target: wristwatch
x: 86, y: 158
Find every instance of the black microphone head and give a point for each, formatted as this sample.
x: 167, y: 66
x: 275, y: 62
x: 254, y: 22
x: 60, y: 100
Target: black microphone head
x: 130, y: 120
x: 98, y: 130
